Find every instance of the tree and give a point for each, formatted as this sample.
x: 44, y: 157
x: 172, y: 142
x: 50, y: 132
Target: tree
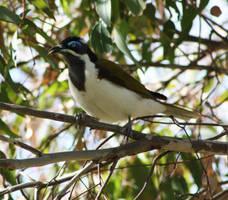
x: 178, y: 48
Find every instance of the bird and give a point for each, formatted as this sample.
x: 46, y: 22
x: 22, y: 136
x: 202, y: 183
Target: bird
x: 108, y: 93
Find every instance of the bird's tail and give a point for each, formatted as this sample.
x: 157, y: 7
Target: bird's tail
x: 180, y: 112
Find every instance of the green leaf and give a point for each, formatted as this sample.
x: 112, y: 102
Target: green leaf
x: 44, y: 54
x: 65, y: 6
x: 103, y: 8
x: 189, y: 14
x: 6, y: 130
x: 8, y: 16
x: 150, y: 11
x: 166, y: 188
x: 6, y: 173
x: 172, y: 4
x: 43, y: 6
x: 203, y: 4
x: 146, y: 53
x: 30, y: 28
x: 223, y: 96
x: 100, y: 38
x: 138, y: 176
x: 121, y: 44
x: 194, y: 166
x: 166, y: 39
x: 208, y: 85
x: 115, y: 11
x: 136, y: 6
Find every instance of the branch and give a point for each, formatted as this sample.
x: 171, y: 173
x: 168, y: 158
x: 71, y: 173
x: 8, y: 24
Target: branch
x: 150, y: 142
x: 84, y: 120
x: 77, y: 175
x: 107, y: 179
x: 21, y: 144
x: 213, y: 44
x: 219, y: 70
x: 150, y: 174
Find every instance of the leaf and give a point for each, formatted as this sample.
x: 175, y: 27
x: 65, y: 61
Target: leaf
x: 8, y: 16
x: 65, y: 6
x: 136, y: 6
x: 44, y: 54
x: 43, y: 6
x: 6, y: 130
x: 30, y: 28
x: 100, y: 38
x: 172, y: 4
x: 121, y: 44
x: 223, y: 96
x: 203, y: 4
x: 209, y: 85
x: 146, y: 53
x: 166, y: 39
x: 194, y: 166
x: 115, y: 11
x: 103, y: 8
x: 6, y: 173
x: 150, y: 11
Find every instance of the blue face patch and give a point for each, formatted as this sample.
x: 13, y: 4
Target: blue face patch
x: 74, y: 44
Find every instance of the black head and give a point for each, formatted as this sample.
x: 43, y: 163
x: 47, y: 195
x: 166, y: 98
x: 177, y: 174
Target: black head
x: 73, y: 46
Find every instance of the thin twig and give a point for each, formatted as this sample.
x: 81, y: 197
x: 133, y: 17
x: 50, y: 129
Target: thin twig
x: 191, y: 66
x: 78, y: 174
x: 106, y: 181
x: 21, y: 144
x: 150, y: 174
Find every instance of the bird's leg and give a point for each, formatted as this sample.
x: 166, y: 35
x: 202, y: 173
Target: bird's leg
x: 79, y: 117
x: 127, y: 129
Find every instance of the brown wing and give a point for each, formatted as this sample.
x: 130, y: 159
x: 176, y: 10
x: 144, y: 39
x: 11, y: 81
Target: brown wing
x: 113, y: 72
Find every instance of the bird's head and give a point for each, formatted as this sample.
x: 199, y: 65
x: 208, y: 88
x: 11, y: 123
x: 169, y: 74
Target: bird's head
x: 73, y: 46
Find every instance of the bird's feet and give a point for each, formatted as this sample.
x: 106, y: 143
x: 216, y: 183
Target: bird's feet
x: 127, y: 128
x: 80, y: 117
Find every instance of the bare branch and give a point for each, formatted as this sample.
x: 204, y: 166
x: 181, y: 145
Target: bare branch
x: 192, y: 66
x: 21, y: 144
x: 149, y: 142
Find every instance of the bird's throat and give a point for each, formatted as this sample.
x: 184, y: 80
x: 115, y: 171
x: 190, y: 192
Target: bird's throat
x: 76, y: 68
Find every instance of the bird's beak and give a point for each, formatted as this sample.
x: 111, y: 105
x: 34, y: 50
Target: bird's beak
x: 55, y: 49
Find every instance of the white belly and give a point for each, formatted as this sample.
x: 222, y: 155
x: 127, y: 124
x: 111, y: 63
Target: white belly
x: 111, y: 103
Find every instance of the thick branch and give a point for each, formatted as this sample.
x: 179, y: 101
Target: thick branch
x: 150, y: 142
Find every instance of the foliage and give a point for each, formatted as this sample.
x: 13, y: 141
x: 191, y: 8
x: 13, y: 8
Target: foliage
x: 178, y: 48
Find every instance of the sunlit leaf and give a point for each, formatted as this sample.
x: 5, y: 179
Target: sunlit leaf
x: 223, y: 96
x: 208, y: 85
x: 6, y: 130
x: 121, y: 44
x: 43, y: 6
x: 9, y: 16
x: 103, y: 8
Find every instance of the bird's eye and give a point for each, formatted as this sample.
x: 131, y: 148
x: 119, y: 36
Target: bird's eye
x: 74, y: 44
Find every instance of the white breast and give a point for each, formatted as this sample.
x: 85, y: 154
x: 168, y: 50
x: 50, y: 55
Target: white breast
x: 110, y: 102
